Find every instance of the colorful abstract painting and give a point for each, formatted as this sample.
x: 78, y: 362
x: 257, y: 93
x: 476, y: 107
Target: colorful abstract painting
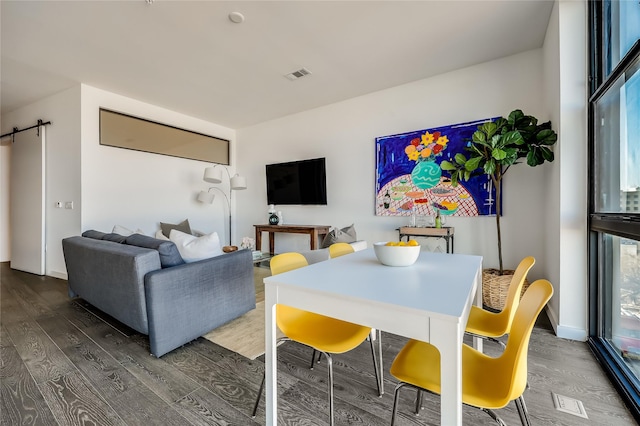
x: 409, y: 179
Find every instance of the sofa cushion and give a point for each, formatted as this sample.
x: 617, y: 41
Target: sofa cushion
x: 169, y: 254
x: 182, y: 227
x: 194, y: 248
x: 344, y: 235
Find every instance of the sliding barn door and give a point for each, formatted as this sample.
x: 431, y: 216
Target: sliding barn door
x: 27, y: 202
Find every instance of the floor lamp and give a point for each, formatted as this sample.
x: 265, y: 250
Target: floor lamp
x: 214, y: 175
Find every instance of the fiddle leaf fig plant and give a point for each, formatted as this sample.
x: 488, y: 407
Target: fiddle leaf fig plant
x: 498, y: 145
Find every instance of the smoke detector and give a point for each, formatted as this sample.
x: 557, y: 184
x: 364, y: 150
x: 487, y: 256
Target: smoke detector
x: 236, y: 17
x: 302, y: 72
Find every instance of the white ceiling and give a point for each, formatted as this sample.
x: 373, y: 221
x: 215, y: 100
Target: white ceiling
x: 189, y: 57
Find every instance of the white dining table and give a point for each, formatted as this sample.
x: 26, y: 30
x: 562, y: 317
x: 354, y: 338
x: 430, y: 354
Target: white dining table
x: 428, y: 301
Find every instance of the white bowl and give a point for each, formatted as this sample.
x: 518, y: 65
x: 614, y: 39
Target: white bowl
x: 396, y: 255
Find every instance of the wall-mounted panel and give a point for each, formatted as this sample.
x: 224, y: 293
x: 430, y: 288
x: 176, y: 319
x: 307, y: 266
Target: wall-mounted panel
x: 125, y: 131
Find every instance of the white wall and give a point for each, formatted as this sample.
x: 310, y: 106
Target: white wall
x: 551, y: 54
x: 566, y: 87
x: 62, y: 168
x: 138, y: 190
x: 345, y: 134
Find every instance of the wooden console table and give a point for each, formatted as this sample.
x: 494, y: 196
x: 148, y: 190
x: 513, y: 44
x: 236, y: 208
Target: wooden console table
x: 314, y: 232
x: 445, y: 232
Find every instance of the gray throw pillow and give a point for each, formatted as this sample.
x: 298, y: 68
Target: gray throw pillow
x: 182, y: 227
x: 169, y: 254
x: 116, y: 238
x: 344, y: 235
x: 92, y: 233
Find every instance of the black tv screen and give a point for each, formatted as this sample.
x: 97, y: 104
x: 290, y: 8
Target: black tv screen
x: 297, y: 182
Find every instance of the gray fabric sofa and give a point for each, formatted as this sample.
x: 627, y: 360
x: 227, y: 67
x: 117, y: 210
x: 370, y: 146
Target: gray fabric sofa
x: 125, y: 278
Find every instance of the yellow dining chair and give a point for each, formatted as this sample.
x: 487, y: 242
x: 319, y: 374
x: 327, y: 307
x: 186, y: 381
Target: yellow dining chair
x: 324, y: 334
x: 491, y: 325
x: 487, y: 383
x: 340, y: 249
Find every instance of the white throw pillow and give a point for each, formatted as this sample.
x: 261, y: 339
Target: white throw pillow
x: 160, y: 235
x: 194, y: 248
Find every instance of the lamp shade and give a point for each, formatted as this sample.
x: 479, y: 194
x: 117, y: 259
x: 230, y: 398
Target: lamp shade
x: 206, y: 197
x: 213, y: 175
x: 238, y: 182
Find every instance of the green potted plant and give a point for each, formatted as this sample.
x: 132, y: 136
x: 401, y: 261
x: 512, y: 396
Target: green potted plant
x: 498, y: 145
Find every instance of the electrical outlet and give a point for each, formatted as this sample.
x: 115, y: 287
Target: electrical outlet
x: 58, y: 204
x: 569, y: 405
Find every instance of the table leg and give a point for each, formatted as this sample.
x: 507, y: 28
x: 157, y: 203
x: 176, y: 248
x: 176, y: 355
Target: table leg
x: 447, y: 337
x: 477, y: 341
x: 314, y: 239
x: 272, y: 243
x: 271, y: 357
x: 258, y: 240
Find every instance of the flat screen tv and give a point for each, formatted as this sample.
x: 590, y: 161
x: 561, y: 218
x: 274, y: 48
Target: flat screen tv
x: 297, y: 182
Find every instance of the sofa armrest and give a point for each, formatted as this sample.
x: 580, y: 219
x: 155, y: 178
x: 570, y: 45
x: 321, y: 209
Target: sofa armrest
x: 186, y: 301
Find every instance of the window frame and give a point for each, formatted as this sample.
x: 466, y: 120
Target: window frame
x: 625, y: 224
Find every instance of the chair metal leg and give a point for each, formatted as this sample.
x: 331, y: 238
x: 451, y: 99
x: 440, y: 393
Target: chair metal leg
x: 395, y: 402
x: 494, y: 416
x: 255, y: 407
x: 313, y: 359
x: 419, y: 396
x: 522, y: 411
x: 377, y: 369
x: 492, y: 339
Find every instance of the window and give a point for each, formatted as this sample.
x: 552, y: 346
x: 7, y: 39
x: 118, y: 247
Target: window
x: 614, y: 219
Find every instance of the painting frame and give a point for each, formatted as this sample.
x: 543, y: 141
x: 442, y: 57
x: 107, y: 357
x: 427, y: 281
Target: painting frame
x: 410, y: 181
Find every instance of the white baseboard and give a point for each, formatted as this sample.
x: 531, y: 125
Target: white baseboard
x: 564, y: 332
x: 57, y: 274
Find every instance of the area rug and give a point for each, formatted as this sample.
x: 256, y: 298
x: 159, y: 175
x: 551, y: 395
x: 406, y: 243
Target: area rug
x: 245, y: 334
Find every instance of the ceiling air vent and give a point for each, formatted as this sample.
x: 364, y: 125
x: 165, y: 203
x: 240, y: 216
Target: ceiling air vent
x: 298, y: 74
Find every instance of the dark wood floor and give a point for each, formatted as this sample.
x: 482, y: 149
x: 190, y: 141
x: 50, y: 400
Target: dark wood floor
x: 61, y: 364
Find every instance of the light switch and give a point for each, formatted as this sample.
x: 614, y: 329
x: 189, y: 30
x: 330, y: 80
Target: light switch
x: 68, y: 205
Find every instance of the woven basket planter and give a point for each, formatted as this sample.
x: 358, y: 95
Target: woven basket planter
x: 495, y: 287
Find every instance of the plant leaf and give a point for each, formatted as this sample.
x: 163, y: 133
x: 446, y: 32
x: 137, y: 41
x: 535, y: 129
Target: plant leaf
x: 473, y: 163
x: 547, y: 137
x: 490, y: 166
x: 498, y: 154
x: 547, y: 154
x: 479, y: 136
x: 513, y: 138
x: 445, y: 165
x: 460, y: 159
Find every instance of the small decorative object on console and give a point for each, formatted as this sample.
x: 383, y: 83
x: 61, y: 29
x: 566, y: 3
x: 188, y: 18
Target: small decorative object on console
x: 248, y: 243
x: 229, y: 249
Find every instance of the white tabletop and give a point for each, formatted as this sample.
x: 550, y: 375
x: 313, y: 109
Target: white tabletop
x: 429, y: 301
